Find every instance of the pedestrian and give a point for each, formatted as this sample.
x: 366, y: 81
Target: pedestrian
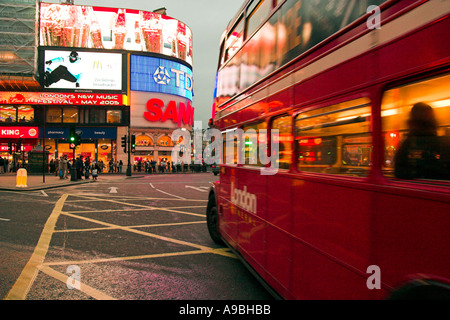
x: 79, y: 167
x: 57, y: 166
x: 120, y: 166
x: 95, y: 171
x: 63, y: 168
x: 2, y: 165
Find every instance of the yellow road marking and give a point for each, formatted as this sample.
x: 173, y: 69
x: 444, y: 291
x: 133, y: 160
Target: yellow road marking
x: 221, y: 251
x: 36, y: 263
x: 141, y: 209
x: 148, y: 207
x: 94, y: 293
x: 138, y: 226
x: 23, y: 284
x: 147, y: 234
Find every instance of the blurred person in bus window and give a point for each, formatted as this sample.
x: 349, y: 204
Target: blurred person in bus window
x: 420, y: 154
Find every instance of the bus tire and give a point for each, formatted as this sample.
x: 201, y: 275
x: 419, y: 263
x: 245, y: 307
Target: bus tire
x: 424, y: 290
x: 212, y: 220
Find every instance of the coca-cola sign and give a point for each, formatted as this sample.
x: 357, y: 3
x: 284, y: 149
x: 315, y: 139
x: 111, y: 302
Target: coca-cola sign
x: 113, y: 28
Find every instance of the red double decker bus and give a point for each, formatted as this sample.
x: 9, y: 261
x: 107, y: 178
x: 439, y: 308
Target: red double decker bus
x: 358, y: 93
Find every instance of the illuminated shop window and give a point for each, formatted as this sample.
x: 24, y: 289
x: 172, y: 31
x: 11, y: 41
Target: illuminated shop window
x: 165, y: 141
x: 114, y: 116
x: 25, y: 114
x: 8, y: 114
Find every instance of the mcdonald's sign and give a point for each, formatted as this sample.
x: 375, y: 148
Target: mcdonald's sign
x: 97, y: 65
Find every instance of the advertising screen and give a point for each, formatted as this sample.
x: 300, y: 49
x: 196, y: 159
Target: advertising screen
x: 113, y: 28
x: 152, y: 74
x: 83, y: 71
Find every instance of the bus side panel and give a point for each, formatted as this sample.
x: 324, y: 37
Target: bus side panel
x: 251, y: 229
x: 331, y: 241
x: 227, y: 216
x: 410, y: 235
x: 279, y: 226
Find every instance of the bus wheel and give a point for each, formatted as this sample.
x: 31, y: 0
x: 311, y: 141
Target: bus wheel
x: 212, y: 220
x: 418, y: 291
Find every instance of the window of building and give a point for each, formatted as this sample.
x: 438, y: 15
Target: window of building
x: 144, y: 141
x: 416, y: 130
x: 8, y: 114
x: 165, y: 141
x: 70, y: 114
x: 335, y: 139
x: 284, y: 139
x: 97, y: 115
x: 25, y: 114
x: 54, y: 115
x: 114, y: 116
x: 21, y: 113
x: 62, y: 114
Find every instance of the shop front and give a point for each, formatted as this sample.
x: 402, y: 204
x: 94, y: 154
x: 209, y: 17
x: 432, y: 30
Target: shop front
x: 15, y: 143
x: 97, y: 143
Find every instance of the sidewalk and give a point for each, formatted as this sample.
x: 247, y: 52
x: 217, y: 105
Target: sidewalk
x: 36, y: 181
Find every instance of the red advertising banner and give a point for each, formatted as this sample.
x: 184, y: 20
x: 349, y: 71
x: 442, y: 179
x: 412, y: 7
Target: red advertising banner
x: 50, y: 98
x: 4, y: 148
x: 19, y: 132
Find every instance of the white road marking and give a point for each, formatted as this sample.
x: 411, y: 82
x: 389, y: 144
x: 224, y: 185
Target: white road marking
x: 113, y: 189
x: 201, y: 189
x: 151, y: 185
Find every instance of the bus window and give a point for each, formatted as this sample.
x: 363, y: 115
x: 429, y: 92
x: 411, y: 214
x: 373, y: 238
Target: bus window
x: 230, y: 151
x: 335, y: 139
x: 256, y: 16
x: 284, y: 126
x: 416, y: 130
x: 254, y: 144
x: 235, y: 39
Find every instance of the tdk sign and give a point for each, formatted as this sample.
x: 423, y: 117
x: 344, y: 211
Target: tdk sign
x: 151, y: 74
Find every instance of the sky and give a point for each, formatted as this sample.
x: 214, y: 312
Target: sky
x: 207, y: 19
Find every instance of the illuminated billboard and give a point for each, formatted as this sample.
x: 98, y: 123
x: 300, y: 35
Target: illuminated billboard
x: 150, y: 74
x: 113, y: 28
x: 82, y: 71
x: 157, y: 110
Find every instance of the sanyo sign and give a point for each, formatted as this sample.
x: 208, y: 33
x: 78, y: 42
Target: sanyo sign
x: 160, y: 110
x: 150, y: 74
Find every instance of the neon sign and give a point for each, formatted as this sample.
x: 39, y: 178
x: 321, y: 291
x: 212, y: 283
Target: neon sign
x: 183, y: 114
x: 149, y: 74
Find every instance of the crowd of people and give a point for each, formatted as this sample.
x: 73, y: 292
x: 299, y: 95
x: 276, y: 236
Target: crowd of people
x: 85, y: 167
x: 165, y: 166
x: 5, y: 165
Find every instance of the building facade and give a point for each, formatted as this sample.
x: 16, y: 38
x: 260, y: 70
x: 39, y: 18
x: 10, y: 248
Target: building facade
x: 106, y: 72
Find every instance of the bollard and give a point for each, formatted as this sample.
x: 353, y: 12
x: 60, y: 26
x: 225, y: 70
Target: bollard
x: 21, y: 180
